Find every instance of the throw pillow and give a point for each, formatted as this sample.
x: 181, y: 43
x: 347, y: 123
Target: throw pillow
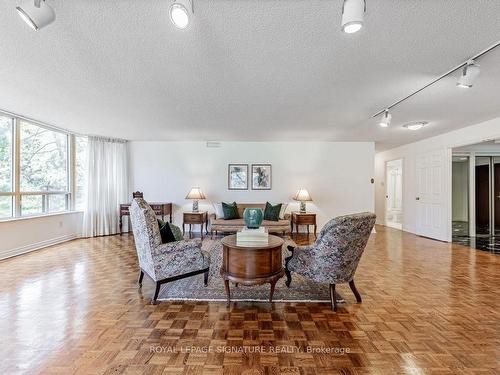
x: 176, y: 231
x: 282, y: 211
x: 272, y: 213
x: 219, y: 212
x: 230, y: 211
x: 165, y: 232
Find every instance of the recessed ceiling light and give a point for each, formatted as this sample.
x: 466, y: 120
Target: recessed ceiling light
x: 385, y: 121
x: 181, y: 12
x: 470, y: 72
x: 416, y: 125
x: 36, y: 13
x: 353, y: 14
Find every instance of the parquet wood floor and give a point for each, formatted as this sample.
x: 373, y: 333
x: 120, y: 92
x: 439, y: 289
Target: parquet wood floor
x: 428, y: 308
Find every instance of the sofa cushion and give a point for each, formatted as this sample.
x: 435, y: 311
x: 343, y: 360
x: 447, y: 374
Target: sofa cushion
x: 219, y: 212
x: 279, y: 223
x: 230, y: 211
x: 271, y: 212
x: 233, y: 222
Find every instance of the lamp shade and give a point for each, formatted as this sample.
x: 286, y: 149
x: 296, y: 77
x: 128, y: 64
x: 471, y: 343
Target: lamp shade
x: 302, y: 195
x: 195, y: 193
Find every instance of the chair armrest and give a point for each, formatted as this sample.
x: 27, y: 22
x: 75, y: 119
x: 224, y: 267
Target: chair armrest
x: 179, y: 258
x: 287, y: 216
x: 178, y: 246
x: 212, y: 216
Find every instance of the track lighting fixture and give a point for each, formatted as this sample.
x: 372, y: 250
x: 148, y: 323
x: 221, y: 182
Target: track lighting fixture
x: 470, y: 72
x: 385, y: 121
x: 353, y: 14
x: 181, y: 12
x: 36, y: 13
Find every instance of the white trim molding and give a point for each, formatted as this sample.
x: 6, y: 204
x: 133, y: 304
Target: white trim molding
x: 36, y: 246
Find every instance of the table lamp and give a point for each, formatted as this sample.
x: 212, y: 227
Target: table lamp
x: 195, y: 194
x: 302, y: 196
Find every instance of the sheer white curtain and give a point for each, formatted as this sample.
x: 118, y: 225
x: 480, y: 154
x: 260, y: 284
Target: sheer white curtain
x: 107, y: 185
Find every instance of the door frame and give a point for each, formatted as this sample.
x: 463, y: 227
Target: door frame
x: 402, y: 193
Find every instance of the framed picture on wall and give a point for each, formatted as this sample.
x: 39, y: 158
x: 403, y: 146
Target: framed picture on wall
x: 261, y: 176
x: 237, y: 177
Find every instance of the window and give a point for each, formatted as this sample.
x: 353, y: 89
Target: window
x: 44, y: 159
x: 44, y: 174
x: 6, y: 166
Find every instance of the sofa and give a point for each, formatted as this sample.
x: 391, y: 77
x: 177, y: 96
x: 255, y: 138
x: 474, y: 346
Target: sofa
x: 218, y: 224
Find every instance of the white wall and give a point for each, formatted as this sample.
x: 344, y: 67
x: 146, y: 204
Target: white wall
x: 30, y: 233
x: 465, y: 136
x: 336, y: 174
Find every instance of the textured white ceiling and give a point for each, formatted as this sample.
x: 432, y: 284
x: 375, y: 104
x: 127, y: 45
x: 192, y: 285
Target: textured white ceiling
x: 249, y: 69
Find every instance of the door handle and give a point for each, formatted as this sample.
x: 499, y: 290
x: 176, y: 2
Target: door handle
x: 417, y: 198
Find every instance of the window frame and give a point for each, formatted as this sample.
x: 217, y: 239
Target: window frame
x: 16, y: 193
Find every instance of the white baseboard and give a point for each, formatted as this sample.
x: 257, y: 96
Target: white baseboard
x: 36, y: 246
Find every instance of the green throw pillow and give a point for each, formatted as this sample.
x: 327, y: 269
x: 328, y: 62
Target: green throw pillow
x: 165, y: 232
x: 176, y: 231
x: 230, y: 211
x: 272, y: 213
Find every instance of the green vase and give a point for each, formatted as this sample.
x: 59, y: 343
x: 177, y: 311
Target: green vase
x: 253, y: 217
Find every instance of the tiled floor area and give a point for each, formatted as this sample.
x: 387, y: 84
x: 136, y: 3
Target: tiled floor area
x: 461, y: 236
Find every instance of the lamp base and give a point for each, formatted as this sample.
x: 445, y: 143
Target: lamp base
x: 302, y: 207
x: 195, y: 206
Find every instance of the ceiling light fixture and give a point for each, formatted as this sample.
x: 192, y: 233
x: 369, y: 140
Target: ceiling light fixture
x: 385, y: 121
x: 181, y: 12
x: 416, y: 125
x: 36, y: 13
x: 470, y: 72
x: 353, y: 14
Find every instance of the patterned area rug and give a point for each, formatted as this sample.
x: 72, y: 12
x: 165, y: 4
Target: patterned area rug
x: 192, y: 289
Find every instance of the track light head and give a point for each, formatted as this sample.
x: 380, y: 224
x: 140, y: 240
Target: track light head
x: 181, y: 12
x: 385, y: 121
x: 353, y: 14
x: 36, y: 13
x: 470, y: 72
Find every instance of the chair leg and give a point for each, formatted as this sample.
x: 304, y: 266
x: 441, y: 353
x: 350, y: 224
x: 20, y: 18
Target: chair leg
x: 287, y: 271
x: 333, y: 300
x: 141, y: 276
x: 157, y: 290
x: 355, y: 291
x: 205, y: 278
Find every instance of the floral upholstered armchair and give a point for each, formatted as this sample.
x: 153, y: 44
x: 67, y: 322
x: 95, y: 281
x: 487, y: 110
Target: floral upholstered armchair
x: 164, y: 262
x: 335, y: 255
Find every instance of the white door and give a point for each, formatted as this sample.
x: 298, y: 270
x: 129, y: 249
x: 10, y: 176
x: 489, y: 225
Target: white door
x: 394, y: 194
x: 431, y: 195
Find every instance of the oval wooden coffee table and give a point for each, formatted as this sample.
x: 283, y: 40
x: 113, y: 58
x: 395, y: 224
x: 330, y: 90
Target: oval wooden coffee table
x: 252, y: 264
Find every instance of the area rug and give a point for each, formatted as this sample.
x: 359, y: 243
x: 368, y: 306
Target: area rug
x: 192, y: 289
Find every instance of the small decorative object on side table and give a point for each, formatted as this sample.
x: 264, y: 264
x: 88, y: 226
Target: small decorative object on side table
x: 195, y: 194
x: 200, y: 217
x: 302, y: 196
x: 303, y: 218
